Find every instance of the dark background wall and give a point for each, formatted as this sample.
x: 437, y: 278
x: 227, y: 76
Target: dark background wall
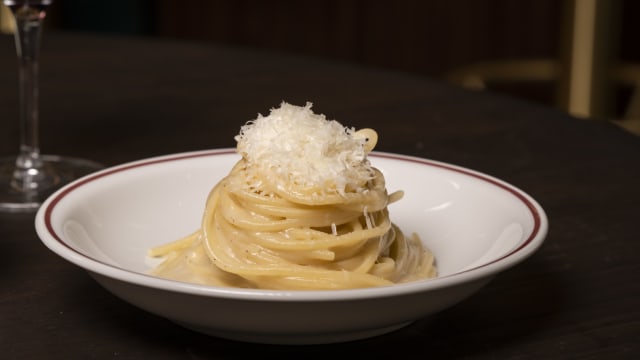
x: 426, y: 37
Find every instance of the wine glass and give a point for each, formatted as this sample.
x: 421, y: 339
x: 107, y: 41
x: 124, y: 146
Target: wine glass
x: 29, y: 178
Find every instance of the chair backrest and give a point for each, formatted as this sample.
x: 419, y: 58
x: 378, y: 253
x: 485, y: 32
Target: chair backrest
x: 591, y: 31
x: 7, y: 25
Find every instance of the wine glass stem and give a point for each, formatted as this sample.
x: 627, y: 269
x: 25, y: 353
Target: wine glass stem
x: 28, y: 174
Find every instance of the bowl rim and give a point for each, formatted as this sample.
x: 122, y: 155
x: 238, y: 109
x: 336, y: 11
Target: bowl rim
x: 54, y: 241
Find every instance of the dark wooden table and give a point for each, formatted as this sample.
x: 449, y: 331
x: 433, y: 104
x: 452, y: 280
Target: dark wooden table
x: 115, y: 100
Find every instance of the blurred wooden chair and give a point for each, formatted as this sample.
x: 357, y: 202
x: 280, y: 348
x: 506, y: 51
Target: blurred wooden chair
x: 6, y: 20
x: 586, y: 71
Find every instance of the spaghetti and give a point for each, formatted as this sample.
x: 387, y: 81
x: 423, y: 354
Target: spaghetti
x: 304, y: 212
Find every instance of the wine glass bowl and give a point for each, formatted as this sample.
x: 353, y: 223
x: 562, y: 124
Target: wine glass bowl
x: 25, y: 188
x: 27, y: 179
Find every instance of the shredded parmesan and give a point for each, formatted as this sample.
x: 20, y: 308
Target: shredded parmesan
x: 293, y: 145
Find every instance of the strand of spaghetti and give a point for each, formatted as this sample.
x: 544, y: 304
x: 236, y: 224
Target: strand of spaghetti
x: 240, y: 239
x: 270, y: 275
x: 309, y: 239
x: 228, y: 262
x: 331, y: 213
x: 259, y: 198
x: 174, y: 246
x: 292, y: 217
x: 316, y: 240
x: 315, y: 196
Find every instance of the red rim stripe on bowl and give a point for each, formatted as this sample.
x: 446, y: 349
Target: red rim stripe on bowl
x: 518, y: 194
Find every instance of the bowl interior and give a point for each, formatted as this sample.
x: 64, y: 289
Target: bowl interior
x: 466, y: 218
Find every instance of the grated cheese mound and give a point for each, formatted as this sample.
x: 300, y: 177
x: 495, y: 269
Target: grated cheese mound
x: 294, y: 147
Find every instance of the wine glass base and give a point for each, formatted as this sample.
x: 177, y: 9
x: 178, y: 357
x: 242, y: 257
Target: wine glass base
x: 59, y: 170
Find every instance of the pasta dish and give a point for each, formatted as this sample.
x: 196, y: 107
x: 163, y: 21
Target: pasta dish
x: 303, y: 209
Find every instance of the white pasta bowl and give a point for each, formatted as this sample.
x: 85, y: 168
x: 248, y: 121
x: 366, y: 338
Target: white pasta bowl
x: 476, y: 225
